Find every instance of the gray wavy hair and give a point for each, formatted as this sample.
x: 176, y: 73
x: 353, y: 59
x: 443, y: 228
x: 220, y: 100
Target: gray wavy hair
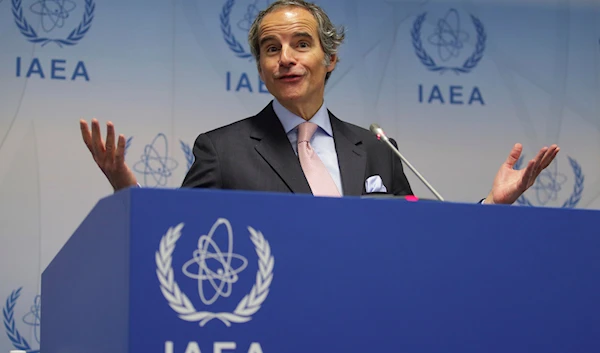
x: 330, y: 37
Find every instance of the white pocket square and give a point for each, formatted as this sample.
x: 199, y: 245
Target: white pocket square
x: 374, y: 184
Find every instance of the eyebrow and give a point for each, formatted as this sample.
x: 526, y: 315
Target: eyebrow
x: 295, y: 35
x: 264, y: 40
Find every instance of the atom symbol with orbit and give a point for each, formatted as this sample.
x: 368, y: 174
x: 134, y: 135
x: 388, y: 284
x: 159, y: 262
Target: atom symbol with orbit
x: 448, y: 37
x: 53, y: 13
x: 155, y: 164
x: 215, y: 267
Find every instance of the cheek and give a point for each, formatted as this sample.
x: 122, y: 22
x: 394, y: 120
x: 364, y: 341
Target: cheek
x: 267, y: 72
x: 264, y: 67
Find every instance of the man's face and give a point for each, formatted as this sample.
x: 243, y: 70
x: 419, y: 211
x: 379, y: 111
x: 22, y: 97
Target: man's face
x: 291, y: 57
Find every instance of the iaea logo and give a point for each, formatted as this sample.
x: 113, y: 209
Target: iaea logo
x: 55, y: 24
x: 550, y: 183
x: 53, y: 15
x: 240, y: 25
x: 449, y: 39
x: 235, y: 21
x: 216, y: 269
x: 31, y: 318
x: 155, y: 164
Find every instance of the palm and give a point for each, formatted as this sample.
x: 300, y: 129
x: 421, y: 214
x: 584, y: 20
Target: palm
x: 509, y: 184
x: 109, y: 158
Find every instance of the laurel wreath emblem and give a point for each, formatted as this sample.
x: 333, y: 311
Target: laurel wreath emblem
x: 575, y: 197
x: 180, y: 303
x: 189, y: 155
x: 233, y: 44
x: 428, y: 61
x: 9, y: 323
x: 75, y: 36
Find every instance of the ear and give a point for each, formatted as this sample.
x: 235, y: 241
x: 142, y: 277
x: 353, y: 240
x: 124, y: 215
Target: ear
x: 331, y: 66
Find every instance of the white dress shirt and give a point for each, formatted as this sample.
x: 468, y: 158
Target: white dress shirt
x: 321, y: 142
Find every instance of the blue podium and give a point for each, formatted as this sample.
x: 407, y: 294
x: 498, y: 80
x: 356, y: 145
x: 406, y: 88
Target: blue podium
x: 192, y: 271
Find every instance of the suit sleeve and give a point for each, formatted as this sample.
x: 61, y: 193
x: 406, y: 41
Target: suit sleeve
x: 400, y: 184
x: 205, y: 172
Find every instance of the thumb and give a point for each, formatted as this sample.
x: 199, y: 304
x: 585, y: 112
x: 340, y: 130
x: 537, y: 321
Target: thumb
x: 514, y: 155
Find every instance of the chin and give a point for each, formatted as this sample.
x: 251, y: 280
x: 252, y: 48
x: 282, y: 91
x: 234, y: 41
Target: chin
x: 295, y: 96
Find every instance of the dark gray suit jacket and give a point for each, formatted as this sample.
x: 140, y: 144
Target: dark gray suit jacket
x: 255, y: 154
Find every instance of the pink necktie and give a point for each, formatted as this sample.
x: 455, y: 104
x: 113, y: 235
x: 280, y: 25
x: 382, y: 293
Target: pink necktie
x: 318, y: 177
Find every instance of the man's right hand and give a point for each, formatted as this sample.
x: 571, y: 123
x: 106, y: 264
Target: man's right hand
x: 110, y: 158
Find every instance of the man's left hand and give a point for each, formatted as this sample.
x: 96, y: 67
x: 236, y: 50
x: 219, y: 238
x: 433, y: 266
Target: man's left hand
x: 510, y: 184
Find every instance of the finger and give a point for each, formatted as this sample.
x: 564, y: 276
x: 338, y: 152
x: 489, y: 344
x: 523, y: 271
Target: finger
x: 110, y: 142
x: 514, y: 155
x: 549, y: 156
x: 120, y: 154
x: 86, y: 134
x: 528, y: 177
x: 555, y: 153
x: 97, y: 143
x: 538, y: 161
x: 546, y: 159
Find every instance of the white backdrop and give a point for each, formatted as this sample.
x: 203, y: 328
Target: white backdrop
x: 456, y: 83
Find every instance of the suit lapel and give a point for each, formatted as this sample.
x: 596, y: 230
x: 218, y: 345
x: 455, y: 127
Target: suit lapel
x: 352, y: 159
x: 275, y: 148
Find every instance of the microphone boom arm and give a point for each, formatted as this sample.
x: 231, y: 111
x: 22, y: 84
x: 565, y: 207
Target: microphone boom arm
x: 382, y: 137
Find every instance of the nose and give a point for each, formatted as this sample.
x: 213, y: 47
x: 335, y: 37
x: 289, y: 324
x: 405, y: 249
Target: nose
x: 286, y: 58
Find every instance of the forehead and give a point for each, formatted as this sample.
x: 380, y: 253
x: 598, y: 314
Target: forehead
x: 287, y: 20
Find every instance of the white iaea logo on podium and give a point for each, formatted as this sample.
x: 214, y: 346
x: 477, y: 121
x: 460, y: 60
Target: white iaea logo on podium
x: 218, y: 282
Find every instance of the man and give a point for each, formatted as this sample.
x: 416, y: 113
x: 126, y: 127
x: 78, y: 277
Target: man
x: 295, y: 144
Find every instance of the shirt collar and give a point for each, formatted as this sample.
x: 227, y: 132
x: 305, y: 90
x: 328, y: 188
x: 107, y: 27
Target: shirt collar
x: 290, y: 120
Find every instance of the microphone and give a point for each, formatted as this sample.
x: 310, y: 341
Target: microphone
x: 378, y: 131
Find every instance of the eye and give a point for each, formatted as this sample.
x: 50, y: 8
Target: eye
x: 271, y: 49
x: 303, y: 44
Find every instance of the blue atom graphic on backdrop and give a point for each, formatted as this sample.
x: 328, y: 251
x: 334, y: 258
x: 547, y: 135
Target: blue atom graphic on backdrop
x: 548, y: 185
x: 215, y: 266
x: 53, y: 13
x: 239, y: 25
x: 448, y: 37
x: 155, y: 164
x: 253, y: 9
x: 32, y: 318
